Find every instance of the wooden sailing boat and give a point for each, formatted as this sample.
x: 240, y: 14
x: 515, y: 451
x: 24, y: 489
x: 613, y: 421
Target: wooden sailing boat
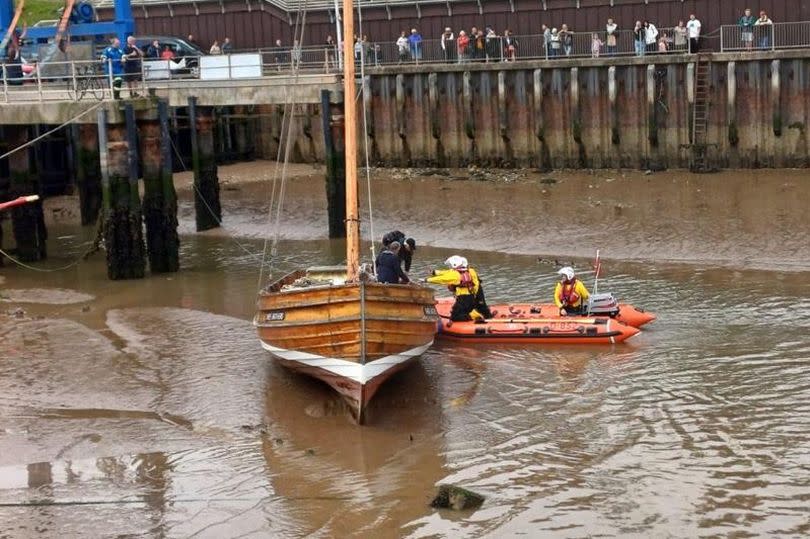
x: 338, y: 324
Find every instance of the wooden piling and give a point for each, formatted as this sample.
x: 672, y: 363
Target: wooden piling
x: 206, y: 183
x: 123, y: 233
x: 160, y: 198
x: 334, y: 152
x: 88, y: 172
x: 27, y: 221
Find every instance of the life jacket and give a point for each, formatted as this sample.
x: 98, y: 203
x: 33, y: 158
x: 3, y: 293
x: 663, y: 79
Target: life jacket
x: 568, y: 295
x: 466, y: 281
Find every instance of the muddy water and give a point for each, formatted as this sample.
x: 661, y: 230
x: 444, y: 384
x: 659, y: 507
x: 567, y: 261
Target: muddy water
x: 148, y: 408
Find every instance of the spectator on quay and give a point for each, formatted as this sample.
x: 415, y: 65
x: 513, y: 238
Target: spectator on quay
x: 153, y: 50
x: 359, y: 52
x: 448, y: 44
x: 510, y: 45
x: 556, y: 44
x: 567, y: 39
x: 546, y: 31
x: 596, y: 45
x: 215, y: 48
x: 295, y: 55
x: 227, y: 46
x: 639, y: 38
x: 693, y: 31
x: 403, y: 47
x: 366, y: 45
x: 329, y: 51
x: 611, y: 40
x: 114, y: 65
x: 663, y: 43
x: 765, y: 30
x: 650, y: 37
x: 680, y: 36
x: 191, y: 40
x: 278, y: 54
x: 167, y: 54
x: 746, y: 24
x: 132, y: 65
x: 492, y: 44
x: 479, y: 49
x: 463, y: 46
x: 415, y: 41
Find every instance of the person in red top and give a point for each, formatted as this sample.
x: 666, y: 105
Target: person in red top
x: 167, y: 54
x: 462, y: 44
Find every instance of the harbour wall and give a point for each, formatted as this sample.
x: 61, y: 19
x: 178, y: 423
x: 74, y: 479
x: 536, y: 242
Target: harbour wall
x: 593, y: 113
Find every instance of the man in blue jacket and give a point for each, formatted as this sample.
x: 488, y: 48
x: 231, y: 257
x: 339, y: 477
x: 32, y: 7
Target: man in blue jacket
x: 114, y: 64
x: 389, y: 270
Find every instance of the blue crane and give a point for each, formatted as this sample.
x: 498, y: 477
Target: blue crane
x: 82, y: 22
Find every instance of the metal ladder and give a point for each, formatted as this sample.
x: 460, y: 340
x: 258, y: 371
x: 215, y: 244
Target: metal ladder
x: 700, y: 115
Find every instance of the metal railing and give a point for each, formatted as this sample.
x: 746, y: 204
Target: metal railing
x: 776, y: 36
x: 57, y: 81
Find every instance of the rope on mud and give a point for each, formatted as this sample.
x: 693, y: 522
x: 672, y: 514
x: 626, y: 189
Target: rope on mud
x: 285, y: 142
x: 47, y: 133
x: 93, y: 248
x: 362, y: 93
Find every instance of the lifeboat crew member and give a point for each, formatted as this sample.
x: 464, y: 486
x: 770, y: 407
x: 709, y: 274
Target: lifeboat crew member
x: 389, y: 269
x: 407, y: 246
x: 570, y: 295
x: 465, y: 284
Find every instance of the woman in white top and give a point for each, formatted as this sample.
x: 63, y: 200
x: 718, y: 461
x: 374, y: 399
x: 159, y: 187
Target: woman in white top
x: 764, y: 28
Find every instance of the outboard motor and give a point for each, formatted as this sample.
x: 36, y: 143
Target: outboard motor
x: 603, y: 304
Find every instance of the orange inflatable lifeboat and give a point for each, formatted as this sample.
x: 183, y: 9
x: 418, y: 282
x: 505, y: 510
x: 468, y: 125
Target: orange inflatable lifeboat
x: 530, y: 327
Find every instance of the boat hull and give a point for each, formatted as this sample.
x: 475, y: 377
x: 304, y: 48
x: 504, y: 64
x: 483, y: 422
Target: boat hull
x: 628, y: 314
x: 534, y: 328
x: 353, y: 337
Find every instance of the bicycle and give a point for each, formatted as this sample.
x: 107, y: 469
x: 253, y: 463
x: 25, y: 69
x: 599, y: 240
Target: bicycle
x: 89, y: 79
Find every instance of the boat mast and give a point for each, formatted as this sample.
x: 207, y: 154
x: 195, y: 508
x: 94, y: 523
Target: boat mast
x: 350, y: 118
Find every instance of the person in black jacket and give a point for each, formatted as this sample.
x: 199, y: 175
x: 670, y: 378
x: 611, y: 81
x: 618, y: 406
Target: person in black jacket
x: 407, y: 246
x: 389, y: 268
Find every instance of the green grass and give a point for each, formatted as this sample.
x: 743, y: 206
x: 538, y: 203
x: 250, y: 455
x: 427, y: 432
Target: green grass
x: 37, y: 10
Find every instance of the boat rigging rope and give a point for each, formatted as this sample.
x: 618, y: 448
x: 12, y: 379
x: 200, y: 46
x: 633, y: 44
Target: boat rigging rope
x: 361, y: 94
x: 285, y: 143
x: 48, y: 133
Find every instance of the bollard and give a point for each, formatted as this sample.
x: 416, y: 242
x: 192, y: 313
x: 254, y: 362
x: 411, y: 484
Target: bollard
x: 123, y: 234
x: 88, y: 173
x: 159, y: 198
x: 207, y: 208
x: 27, y: 221
x: 332, y: 123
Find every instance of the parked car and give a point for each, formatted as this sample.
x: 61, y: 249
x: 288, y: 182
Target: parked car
x: 182, y: 49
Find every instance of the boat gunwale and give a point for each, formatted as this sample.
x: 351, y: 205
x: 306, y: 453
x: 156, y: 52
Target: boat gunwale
x: 425, y: 320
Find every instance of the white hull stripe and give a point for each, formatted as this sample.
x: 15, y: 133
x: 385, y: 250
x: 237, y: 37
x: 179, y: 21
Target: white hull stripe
x: 347, y: 369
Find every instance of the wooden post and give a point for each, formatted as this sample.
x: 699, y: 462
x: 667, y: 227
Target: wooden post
x: 335, y: 167
x: 160, y: 198
x: 123, y: 233
x: 28, y: 221
x: 206, y: 183
x: 88, y: 172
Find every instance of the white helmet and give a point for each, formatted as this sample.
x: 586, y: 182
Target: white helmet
x: 567, y: 272
x: 456, y: 262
